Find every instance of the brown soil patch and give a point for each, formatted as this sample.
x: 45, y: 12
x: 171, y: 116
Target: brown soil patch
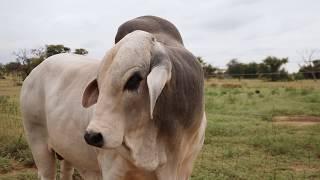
x: 299, y: 167
x: 18, y: 171
x: 18, y: 168
x: 296, y: 120
x: 227, y: 85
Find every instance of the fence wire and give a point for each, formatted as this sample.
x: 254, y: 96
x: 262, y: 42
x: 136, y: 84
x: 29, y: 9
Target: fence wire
x: 220, y: 94
x: 266, y: 75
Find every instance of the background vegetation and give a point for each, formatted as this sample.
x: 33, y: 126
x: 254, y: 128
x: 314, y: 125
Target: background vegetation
x: 270, y: 69
x: 26, y: 60
x: 243, y: 138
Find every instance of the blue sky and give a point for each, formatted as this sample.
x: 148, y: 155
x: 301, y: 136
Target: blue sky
x: 217, y: 30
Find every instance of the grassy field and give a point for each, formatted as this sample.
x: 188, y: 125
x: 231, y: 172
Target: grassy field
x: 242, y: 139
x: 15, y: 157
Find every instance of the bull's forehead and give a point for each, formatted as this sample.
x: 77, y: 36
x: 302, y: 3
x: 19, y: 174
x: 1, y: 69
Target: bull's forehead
x: 132, y: 53
x: 134, y: 48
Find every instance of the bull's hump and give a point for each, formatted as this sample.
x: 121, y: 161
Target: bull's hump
x: 164, y: 30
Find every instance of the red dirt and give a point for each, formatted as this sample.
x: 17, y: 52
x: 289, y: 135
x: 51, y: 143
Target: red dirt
x: 296, y: 120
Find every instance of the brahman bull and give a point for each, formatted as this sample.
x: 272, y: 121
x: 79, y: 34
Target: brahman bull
x: 137, y: 114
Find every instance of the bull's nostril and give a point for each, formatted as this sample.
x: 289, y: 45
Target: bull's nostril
x: 94, y: 139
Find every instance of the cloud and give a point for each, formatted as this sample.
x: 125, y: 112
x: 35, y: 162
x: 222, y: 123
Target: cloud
x: 230, y: 22
x: 242, y: 2
x: 216, y: 30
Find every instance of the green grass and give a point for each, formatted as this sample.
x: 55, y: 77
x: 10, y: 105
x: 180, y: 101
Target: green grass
x: 5, y: 165
x: 241, y: 141
x: 13, y: 146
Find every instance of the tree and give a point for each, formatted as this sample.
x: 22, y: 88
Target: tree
x: 28, y: 60
x: 208, y: 69
x: 201, y: 61
x: 23, y: 57
x: 2, y: 71
x: 311, y: 66
x: 39, y: 55
x: 235, y: 68
x: 251, y: 70
x: 263, y: 71
x: 80, y: 51
x: 56, y: 49
x: 273, y: 65
x: 311, y: 71
x: 270, y: 67
x: 39, y: 52
x: 12, y: 67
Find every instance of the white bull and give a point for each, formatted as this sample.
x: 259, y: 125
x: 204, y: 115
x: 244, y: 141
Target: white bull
x: 125, y: 106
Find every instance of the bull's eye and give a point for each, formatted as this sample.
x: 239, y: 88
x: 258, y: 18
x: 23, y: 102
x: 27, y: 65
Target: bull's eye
x: 133, y: 82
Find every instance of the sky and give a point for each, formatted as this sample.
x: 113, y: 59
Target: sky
x: 217, y: 30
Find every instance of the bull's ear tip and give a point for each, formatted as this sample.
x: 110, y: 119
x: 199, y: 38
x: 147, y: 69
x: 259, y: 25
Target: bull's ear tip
x: 156, y: 80
x: 90, y: 94
x: 151, y: 115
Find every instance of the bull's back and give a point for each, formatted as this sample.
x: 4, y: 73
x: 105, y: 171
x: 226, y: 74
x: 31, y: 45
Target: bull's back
x: 51, y: 78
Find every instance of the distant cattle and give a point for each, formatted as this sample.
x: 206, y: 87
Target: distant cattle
x: 136, y: 114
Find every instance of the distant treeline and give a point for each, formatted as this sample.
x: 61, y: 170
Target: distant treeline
x: 26, y: 60
x: 269, y: 69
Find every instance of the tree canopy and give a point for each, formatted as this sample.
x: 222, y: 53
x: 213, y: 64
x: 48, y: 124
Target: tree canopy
x: 80, y: 51
x: 56, y: 49
x: 27, y: 60
x: 270, y: 68
x: 208, y: 69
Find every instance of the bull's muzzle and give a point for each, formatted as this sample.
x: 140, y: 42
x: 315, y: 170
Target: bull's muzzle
x: 94, y: 139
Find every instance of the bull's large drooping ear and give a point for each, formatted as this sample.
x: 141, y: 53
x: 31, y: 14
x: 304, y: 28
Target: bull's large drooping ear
x: 91, y: 93
x: 159, y: 75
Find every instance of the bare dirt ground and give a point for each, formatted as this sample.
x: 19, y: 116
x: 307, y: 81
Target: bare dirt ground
x: 17, y: 168
x: 296, y: 120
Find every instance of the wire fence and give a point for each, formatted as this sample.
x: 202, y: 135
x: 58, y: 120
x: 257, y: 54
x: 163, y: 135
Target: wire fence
x: 303, y: 75
x: 244, y: 139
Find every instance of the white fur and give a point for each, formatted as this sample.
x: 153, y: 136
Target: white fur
x: 55, y: 120
x: 53, y: 116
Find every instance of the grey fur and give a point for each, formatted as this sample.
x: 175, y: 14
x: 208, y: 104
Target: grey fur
x: 164, y: 30
x: 181, y: 101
